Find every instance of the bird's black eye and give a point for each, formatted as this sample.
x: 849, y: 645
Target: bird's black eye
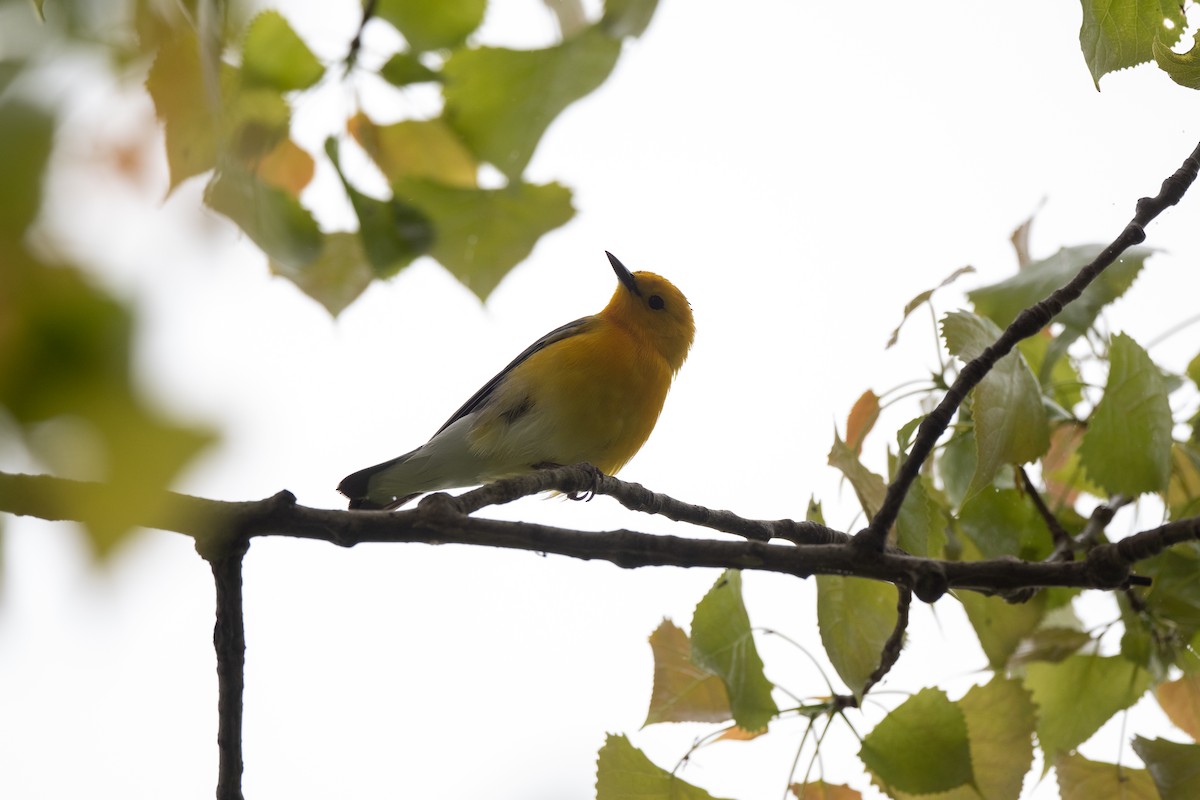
x: 656, y: 302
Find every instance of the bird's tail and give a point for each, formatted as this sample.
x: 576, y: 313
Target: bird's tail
x: 357, y: 487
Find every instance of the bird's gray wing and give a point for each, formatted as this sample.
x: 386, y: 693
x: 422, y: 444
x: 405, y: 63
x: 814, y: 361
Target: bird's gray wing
x: 480, y: 398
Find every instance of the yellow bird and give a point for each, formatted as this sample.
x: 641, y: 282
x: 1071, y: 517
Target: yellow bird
x: 588, y: 391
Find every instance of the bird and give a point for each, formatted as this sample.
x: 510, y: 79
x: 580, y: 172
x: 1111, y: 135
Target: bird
x: 588, y: 392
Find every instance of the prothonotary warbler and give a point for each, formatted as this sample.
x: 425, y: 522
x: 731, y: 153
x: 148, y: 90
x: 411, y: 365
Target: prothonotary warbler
x: 589, y: 391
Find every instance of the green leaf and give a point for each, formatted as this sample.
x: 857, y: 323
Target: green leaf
x: 1127, y: 447
x: 481, y: 234
x: 956, y: 466
x: 1183, y: 68
x: 272, y: 218
x: 1001, y: 626
x: 501, y: 101
x: 722, y: 644
x: 1000, y: 723
x: 393, y: 233
x: 432, y: 24
x: 1010, y: 421
x: 1193, y: 370
x: 186, y: 105
x: 1003, y: 522
x: 1081, y: 779
x: 1060, y: 381
x: 1183, y: 487
x: 683, y: 691
x: 337, y: 276
x: 856, y: 616
x: 1174, y: 767
x: 1175, y: 592
x: 1001, y: 302
x: 1050, y: 643
x: 1079, y: 694
x: 422, y: 149
x: 869, y: 487
x: 26, y: 133
x: 1116, y: 35
x: 275, y: 57
x: 921, y: 747
x: 627, y: 17
x: 624, y: 773
x: 921, y: 524
x: 404, y: 69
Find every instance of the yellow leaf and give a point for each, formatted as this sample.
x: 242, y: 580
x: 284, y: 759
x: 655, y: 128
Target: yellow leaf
x: 286, y: 167
x: 820, y: 790
x: 416, y: 149
x: 683, y: 692
x: 1181, y: 701
x: 862, y: 419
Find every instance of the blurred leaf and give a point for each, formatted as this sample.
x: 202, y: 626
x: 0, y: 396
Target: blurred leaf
x: 432, y: 24
x: 813, y: 512
x: 1127, y: 447
x: 287, y: 167
x: 481, y: 234
x: 1183, y: 487
x: 921, y: 525
x: 423, y: 149
x: 26, y: 133
x: 627, y: 17
x: 338, y: 275
x: 1079, y: 694
x: 869, y: 487
x: 403, y: 69
x: 1081, y: 779
x: 722, y: 644
x: 1047, y: 644
x: 1174, y: 767
x: 1193, y: 370
x: 254, y: 123
x: 274, y: 56
x: 1180, y: 700
x: 393, y: 233
x: 186, y: 106
x: 1010, y: 420
x: 1001, y: 302
x: 683, y: 691
x: 1119, y: 35
x: 624, y: 773
x: 1002, y: 626
x: 9, y: 70
x: 272, y: 218
x: 921, y: 747
x: 501, y: 101
x: 856, y: 616
x: 1183, y: 68
x: 863, y: 415
x: 820, y: 790
x: 921, y: 300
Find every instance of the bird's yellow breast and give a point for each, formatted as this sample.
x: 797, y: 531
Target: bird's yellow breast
x: 593, y: 397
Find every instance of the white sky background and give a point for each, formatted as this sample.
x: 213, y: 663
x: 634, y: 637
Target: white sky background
x: 798, y: 172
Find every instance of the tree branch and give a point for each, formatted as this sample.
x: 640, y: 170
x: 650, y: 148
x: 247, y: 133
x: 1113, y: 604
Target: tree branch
x: 1027, y: 323
x: 218, y: 526
x: 229, y: 641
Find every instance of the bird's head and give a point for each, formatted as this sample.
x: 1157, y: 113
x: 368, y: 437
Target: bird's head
x: 651, y: 306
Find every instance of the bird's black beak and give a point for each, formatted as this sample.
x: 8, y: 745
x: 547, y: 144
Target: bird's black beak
x: 623, y: 274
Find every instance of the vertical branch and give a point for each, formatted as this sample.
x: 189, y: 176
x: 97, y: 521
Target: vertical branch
x: 229, y: 640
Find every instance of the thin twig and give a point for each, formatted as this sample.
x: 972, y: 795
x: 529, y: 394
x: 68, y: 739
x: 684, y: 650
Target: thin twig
x: 1027, y: 323
x: 1059, y: 534
x: 356, y: 42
